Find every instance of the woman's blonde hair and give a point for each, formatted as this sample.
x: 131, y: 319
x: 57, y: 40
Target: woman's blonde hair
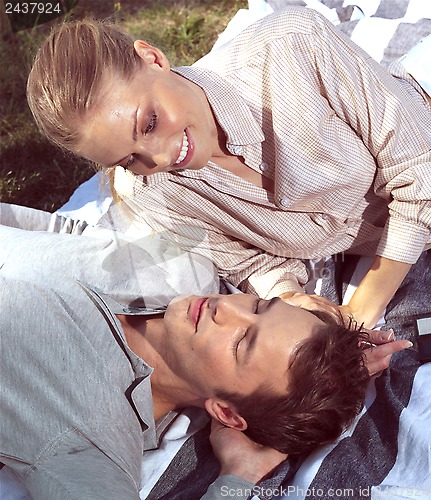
x: 65, y: 81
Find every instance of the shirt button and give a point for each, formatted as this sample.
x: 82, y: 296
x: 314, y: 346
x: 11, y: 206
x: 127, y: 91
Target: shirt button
x: 350, y: 223
x: 284, y: 202
x: 326, y: 216
x: 236, y: 150
x: 263, y: 166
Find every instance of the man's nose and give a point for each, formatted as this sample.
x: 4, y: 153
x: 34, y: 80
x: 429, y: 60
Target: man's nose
x: 228, y: 310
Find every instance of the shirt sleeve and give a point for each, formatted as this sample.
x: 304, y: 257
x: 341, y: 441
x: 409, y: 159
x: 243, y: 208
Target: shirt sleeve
x: 32, y: 219
x: 229, y: 487
x: 394, y: 122
x: 84, y: 472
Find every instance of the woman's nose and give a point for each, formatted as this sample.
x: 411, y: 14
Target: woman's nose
x: 154, y: 156
x: 162, y: 160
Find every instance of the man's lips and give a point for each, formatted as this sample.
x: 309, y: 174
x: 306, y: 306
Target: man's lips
x: 196, y: 309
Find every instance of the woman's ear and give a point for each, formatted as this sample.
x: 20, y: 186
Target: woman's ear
x: 225, y: 413
x: 151, y: 55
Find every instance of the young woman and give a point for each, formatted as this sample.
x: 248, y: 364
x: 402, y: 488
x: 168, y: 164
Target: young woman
x: 287, y: 144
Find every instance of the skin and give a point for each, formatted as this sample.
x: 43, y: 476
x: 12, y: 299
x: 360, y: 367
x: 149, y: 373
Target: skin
x: 155, y: 98
x: 140, y: 125
x: 220, y: 342
x: 376, y: 290
x: 239, y: 456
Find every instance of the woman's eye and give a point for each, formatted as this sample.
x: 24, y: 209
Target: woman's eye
x: 151, y: 124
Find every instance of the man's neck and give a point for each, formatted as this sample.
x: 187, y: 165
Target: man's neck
x: 145, y: 337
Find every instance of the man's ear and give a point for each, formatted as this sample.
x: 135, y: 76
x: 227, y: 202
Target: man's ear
x: 225, y: 413
x: 151, y: 55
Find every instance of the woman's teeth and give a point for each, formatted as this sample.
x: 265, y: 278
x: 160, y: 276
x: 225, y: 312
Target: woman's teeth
x: 184, y: 149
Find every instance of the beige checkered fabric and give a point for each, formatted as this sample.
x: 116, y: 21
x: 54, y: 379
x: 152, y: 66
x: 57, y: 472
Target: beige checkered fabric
x: 347, y: 146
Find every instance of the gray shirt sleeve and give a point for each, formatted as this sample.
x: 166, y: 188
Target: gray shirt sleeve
x: 229, y: 487
x: 90, y: 476
x: 32, y: 219
x: 146, y: 262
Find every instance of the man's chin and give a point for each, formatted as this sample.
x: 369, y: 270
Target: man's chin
x: 178, y: 307
x: 178, y: 298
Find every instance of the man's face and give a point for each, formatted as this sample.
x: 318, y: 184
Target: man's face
x: 156, y: 122
x: 234, y: 343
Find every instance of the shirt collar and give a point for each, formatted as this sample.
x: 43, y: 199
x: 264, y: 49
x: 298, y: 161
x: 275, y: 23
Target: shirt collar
x: 137, y: 308
x: 230, y: 109
x: 138, y: 392
x: 109, y: 308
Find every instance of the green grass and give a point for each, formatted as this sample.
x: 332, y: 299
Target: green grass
x: 37, y: 174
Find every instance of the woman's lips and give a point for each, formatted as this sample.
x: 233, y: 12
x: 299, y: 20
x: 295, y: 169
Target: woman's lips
x: 186, y: 144
x: 196, y: 310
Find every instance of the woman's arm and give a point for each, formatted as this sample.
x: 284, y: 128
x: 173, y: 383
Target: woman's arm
x: 376, y: 290
x: 394, y: 124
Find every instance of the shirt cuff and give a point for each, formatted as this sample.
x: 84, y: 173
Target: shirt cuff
x: 284, y: 287
x: 280, y: 280
x: 402, y: 240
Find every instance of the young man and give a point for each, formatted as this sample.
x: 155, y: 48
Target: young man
x: 91, y: 368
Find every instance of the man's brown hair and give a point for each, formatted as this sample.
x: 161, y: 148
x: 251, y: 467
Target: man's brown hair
x: 327, y: 380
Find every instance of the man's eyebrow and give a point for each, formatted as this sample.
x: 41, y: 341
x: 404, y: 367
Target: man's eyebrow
x: 134, y: 135
x: 253, y: 336
x: 251, y: 344
x: 273, y: 301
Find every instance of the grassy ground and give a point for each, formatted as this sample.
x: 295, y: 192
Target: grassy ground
x: 37, y: 174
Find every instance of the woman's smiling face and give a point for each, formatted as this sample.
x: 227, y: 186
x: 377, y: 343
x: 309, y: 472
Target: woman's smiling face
x: 156, y: 122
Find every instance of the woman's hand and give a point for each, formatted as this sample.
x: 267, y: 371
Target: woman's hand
x: 379, y: 351
x: 315, y: 303
x: 381, y: 346
x: 240, y: 456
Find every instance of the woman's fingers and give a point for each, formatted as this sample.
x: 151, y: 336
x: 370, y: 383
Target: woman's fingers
x: 377, y: 358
